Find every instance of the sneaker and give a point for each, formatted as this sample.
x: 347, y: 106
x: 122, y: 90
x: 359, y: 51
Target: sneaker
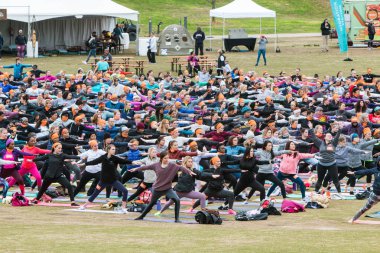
x: 178, y: 221
x: 139, y: 218
x: 276, y: 192
x: 84, y: 62
x: 74, y: 204
x: 157, y: 214
x: 232, y: 212
x: 82, y: 208
x: 189, y: 210
x: 351, y: 193
x: 245, y: 202
x: 34, y: 201
x: 123, y: 210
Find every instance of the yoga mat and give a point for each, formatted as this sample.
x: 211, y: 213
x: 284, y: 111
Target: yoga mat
x: 94, y: 211
x: 367, y: 222
x: 60, y: 205
x: 345, y: 197
x: 375, y: 215
x: 167, y: 220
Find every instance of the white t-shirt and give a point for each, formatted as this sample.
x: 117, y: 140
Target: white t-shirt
x: 92, y: 155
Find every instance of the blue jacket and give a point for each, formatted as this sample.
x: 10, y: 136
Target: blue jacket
x: 132, y: 155
x: 7, y: 88
x: 17, y: 69
x: 113, y: 131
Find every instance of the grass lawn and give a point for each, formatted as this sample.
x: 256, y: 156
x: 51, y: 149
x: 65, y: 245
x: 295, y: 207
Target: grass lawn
x: 295, y: 52
x: 292, y: 15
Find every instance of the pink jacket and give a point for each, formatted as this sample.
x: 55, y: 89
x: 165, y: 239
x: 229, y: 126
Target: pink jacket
x: 289, y: 163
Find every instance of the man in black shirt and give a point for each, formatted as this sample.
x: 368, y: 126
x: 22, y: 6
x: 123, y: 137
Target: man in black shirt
x: 297, y: 76
x: 36, y: 72
x: 368, y: 78
x: 199, y: 37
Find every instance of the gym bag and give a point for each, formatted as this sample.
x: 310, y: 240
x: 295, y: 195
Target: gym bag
x: 208, y: 217
x: 19, y: 200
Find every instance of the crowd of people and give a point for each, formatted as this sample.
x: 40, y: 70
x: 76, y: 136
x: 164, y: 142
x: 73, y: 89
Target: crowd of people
x: 230, y: 129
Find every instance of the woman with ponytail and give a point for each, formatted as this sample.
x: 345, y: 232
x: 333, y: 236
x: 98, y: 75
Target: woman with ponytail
x: 54, y: 171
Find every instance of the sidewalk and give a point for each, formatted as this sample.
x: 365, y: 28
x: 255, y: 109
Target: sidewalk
x: 280, y: 35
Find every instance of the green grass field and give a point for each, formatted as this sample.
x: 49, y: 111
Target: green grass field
x: 292, y: 15
x: 53, y: 229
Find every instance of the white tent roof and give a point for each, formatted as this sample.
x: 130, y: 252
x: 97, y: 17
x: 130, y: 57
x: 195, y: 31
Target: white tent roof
x: 242, y: 9
x: 48, y: 9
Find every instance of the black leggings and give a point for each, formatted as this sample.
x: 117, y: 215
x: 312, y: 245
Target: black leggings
x: 218, y: 194
x: 86, y: 177
x: 109, y: 188
x: 156, y: 195
x: 261, y: 177
x: 62, y: 180
x: 142, y: 187
x: 332, y: 171
x: 129, y: 175
x: 255, y: 185
x: 352, y: 179
x: 342, y: 173
x: 368, y: 165
x: 115, y: 184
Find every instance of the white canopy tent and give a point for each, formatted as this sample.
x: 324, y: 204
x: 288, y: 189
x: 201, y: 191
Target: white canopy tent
x: 243, y: 9
x: 69, y: 22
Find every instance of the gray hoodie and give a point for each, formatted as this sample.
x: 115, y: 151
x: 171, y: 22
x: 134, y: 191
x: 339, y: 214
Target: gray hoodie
x: 267, y: 156
x: 342, y: 154
x: 354, y: 160
x: 368, y: 156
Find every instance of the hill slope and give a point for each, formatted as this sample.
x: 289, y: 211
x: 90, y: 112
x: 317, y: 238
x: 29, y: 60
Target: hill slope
x: 293, y: 16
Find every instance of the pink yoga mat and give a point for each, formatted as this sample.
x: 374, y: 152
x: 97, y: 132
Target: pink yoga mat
x: 367, y: 222
x: 62, y: 205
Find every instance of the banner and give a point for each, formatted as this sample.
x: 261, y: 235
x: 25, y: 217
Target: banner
x: 338, y: 14
x: 3, y: 14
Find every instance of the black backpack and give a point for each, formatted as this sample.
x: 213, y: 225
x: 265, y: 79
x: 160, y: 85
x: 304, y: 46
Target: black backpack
x: 363, y: 195
x: 205, y: 217
x: 271, y: 210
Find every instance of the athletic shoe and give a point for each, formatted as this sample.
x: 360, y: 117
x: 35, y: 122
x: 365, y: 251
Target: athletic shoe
x: 139, y: 218
x: 245, y: 202
x: 34, y: 201
x: 82, y: 208
x: 74, y: 204
x: 276, y: 192
x: 232, y: 212
x: 178, y: 221
x: 123, y: 210
x: 189, y: 210
x: 157, y: 214
x: 84, y: 62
